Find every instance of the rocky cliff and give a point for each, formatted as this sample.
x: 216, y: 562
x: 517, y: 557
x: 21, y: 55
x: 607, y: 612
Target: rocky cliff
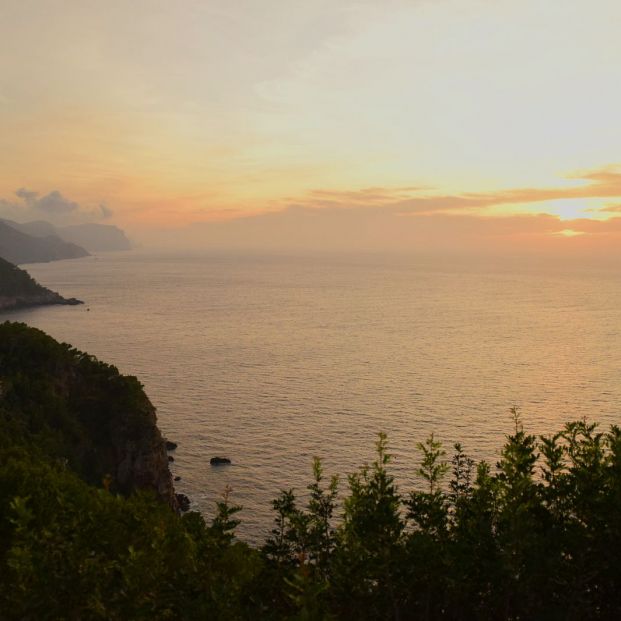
x: 80, y: 411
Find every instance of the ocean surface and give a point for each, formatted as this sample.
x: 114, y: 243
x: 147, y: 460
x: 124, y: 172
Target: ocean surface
x: 272, y: 360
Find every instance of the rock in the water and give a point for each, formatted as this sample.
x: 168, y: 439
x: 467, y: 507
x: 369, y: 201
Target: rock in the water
x: 183, y: 501
x: 171, y: 458
x: 171, y: 446
x: 219, y: 461
x: 177, y: 478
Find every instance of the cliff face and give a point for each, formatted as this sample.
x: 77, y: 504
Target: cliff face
x: 80, y: 411
x: 19, y: 290
x: 134, y: 454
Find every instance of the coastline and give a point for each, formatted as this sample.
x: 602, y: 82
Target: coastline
x: 9, y: 303
x: 18, y: 289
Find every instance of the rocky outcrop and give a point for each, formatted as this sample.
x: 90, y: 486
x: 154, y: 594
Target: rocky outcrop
x: 19, y: 290
x: 44, y: 299
x: 183, y: 502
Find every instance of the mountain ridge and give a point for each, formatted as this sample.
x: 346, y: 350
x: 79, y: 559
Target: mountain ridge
x: 91, y: 236
x: 18, y: 247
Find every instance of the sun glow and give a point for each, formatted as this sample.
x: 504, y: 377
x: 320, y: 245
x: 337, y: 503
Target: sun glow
x: 569, y: 233
x: 570, y: 209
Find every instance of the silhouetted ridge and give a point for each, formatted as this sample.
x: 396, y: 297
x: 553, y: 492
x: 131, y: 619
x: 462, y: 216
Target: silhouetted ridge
x: 19, y: 290
x: 96, y: 237
x: 92, y: 236
x: 18, y: 247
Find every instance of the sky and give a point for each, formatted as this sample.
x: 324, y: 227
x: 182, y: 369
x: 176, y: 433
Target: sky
x: 338, y: 124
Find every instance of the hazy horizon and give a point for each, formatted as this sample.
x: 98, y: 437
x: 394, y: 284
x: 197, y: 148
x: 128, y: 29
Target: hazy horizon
x: 453, y: 126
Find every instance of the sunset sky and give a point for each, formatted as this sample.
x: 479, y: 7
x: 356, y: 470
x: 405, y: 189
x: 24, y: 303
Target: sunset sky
x: 491, y: 118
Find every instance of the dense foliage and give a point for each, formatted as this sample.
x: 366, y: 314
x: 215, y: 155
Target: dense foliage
x: 67, y: 405
x: 536, y: 536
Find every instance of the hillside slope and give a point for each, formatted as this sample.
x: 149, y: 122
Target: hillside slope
x: 92, y: 236
x: 73, y: 408
x: 19, y: 290
x: 18, y: 247
x: 96, y: 237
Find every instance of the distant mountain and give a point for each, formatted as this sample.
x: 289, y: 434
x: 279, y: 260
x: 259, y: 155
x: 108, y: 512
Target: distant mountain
x: 19, y: 247
x: 19, y: 290
x: 95, y: 237
x: 36, y: 228
x: 91, y: 236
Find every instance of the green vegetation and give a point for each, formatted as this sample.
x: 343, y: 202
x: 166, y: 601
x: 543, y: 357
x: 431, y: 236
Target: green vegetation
x: 537, y: 536
x: 68, y: 406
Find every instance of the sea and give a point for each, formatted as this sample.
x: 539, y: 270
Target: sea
x: 271, y: 360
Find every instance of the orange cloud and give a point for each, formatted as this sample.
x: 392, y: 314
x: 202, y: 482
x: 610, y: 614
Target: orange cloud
x: 603, y: 183
x: 414, y: 218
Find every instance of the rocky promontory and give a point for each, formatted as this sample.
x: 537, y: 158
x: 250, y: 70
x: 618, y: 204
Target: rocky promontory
x: 19, y: 290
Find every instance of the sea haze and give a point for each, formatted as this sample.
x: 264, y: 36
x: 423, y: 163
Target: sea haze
x: 272, y: 360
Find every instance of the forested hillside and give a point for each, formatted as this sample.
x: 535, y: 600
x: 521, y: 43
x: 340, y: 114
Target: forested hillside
x: 18, y: 290
x: 535, y: 536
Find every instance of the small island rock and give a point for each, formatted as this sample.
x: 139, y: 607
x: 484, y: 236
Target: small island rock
x: 171, y: 446
x: 219, y: 461
x: 183, y: 501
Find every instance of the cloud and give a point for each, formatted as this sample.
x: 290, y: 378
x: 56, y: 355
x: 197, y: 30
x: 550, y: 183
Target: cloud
x: 604, y: 183
x: 403, y: 219
x: 55, y: 203
x: 53, y: 206
x: 28, y: 196
x: 610, y: 209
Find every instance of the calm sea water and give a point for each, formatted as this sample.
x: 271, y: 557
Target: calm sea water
x: 270, y: 361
